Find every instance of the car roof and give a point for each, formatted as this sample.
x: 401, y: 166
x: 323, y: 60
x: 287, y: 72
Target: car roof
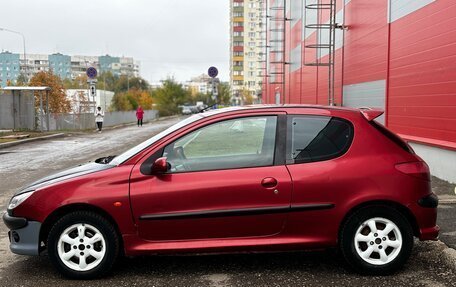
x: 276, y: 106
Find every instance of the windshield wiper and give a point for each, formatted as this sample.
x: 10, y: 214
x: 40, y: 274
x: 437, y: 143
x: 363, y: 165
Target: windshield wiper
x: 105, y: 160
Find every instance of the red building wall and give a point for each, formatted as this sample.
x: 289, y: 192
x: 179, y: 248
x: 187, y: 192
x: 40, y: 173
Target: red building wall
x: 412, y: 50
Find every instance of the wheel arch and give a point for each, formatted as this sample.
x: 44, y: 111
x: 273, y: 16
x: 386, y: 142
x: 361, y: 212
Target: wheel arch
x: 397, y: 206
x: 66, y: 209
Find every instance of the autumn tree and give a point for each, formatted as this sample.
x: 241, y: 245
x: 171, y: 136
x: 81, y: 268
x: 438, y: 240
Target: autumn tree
x: 246, y: 97
x: 125, y: 83
x: 21, y: 80
x: 107, y: 81
x: 79, y: 102
x: 126, y: 101
x: 224, y: 94
x: 58, y: 102
x: 80, y: 82
x: 169, y: 97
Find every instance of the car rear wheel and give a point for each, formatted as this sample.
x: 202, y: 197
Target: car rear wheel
x: 376, y: 240
x: 83, y: 245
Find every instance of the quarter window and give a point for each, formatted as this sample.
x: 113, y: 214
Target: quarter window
x: 238, y: 143
x: 317, y: 138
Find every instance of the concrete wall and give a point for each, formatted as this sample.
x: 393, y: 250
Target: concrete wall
x: 87, y: 120
x: 442, y: 162
x: 17, y: 112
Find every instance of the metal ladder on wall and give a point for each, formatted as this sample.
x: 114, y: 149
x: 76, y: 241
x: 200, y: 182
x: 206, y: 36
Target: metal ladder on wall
x: 263, y: 38
x: 320, y: 6
x: 277, y: 44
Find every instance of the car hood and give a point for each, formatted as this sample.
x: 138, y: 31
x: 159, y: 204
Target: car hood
x: 65, y: 174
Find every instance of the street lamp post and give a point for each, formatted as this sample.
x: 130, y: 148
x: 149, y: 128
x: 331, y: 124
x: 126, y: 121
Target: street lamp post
x: 23, y: 42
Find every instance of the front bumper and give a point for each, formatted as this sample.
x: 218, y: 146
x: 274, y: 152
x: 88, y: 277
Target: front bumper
x: 24, y: 235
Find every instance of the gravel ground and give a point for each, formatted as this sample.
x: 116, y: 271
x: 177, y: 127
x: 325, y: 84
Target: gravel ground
x: 25, y: 163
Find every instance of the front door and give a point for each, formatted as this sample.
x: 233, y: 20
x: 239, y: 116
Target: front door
x: 223, y: 183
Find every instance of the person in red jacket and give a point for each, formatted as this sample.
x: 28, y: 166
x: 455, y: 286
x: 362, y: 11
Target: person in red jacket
x: 139, y: 115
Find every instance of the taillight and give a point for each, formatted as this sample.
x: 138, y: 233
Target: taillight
x: 417, y: 169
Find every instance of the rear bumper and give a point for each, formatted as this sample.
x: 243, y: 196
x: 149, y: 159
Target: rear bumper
x: 23, y: 235
x: 431, y: 233
x: 425, y: 212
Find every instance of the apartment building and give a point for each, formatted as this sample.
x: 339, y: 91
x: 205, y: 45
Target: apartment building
x: 246, y: 49
x: 12, y: 65
x: 201, y: 84
x: 9, y: 68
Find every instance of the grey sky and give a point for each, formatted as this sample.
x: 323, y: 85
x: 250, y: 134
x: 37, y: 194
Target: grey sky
x: 180, y: 38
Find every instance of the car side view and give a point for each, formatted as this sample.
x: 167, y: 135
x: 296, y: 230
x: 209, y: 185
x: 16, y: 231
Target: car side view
x: 254, y: 178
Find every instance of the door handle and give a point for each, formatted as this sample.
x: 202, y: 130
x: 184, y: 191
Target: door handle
x: 269, y: 182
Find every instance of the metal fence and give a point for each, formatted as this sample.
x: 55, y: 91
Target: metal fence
x: 87, y: 120
x: 17, y: 112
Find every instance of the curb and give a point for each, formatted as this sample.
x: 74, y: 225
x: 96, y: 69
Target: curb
x: 447, y: 199
x: 134, y: 123
x: 5, y: 145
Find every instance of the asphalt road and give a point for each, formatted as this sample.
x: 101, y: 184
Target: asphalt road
x: 22, y: 164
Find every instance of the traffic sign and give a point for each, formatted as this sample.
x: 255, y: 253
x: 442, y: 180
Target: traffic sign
x: 91, y: 72
x: 212, y: 72
x: 93, y: 90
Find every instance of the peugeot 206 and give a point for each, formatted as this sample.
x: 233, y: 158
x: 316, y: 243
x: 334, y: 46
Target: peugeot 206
x: 255, y: 178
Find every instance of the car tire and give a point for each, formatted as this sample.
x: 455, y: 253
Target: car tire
x: 83, y: 245
x: 376, y: 240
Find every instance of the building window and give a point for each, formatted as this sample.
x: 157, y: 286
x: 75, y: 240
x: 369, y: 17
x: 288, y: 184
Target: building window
x: 251, y: 83
x: 238, y: 14
x: 238, y: 4
x: 251, y: 74
x: 237, y: 34
x: 251, y: 54
x: 238, y: 73
x: 252, y: 24
x: 252, y: 15
x: 238, y: 63
x: 238, y: 24
x: 252, y: 5
x: 238, y: 83
x: 237, y: 53
x: 238, y: 43
x: 251, y: 44
x: 252, y: 34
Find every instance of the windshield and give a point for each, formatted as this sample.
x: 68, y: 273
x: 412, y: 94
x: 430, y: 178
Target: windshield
x: 131, y: 152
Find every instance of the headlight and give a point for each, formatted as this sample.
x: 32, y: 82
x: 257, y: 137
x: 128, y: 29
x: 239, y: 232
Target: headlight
x: 18, y: 199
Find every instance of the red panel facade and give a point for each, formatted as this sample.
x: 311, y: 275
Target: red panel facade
x: 422, y: 82
x: 414, y: 55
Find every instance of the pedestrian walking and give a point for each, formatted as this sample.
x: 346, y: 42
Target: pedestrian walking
x: 99, y: 116
x: 139, y: 115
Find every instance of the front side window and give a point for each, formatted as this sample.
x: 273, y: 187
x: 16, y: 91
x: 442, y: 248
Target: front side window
x: 317, y: 138
x: 237, y: 143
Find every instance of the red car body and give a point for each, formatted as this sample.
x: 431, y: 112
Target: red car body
x: 278, y: 207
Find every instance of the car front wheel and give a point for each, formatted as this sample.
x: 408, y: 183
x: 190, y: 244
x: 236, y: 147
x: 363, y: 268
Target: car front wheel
x: 83, y: 245
x: 376, y: 240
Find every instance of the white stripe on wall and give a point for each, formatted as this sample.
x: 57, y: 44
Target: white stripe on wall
x: 401, y: 8
x: 367, y: 94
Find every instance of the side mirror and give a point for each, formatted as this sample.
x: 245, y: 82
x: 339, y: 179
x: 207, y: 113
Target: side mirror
x: 160, y: 166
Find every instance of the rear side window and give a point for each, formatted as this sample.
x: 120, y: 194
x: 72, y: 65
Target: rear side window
x: 317, y: 138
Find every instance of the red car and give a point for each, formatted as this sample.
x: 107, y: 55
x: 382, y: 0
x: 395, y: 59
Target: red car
x: 258, y: 178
